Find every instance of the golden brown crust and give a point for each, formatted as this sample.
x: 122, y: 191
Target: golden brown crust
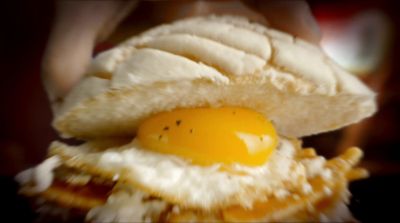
x: 69, y: 199
x: 326, y: 194
x: 294, y: 208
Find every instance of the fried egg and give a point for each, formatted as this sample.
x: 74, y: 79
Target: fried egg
x: 207, y: 158
x: 191, y: 185
x: 160, y: 171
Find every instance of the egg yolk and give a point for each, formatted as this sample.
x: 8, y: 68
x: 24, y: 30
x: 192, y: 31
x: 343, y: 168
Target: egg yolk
x: 211, y: 135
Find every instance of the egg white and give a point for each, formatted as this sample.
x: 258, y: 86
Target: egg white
x: 189, y: 185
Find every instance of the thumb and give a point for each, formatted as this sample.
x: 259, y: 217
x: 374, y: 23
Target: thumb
x: 77, y: 27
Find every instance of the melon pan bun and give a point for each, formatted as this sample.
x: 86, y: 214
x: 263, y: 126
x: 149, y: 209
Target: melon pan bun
x: 213, y: 61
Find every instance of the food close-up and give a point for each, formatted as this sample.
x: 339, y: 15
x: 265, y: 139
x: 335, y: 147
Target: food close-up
x: 201, y: 111
x: 200, y: 120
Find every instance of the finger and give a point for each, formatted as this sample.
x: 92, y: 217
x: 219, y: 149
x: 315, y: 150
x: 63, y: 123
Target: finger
x: 168, y: 11
x: 77, y: 27
x: 123, y: 10
x: 294, y: 17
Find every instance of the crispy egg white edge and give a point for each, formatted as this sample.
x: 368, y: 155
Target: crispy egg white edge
x: 190, y: 185
x: 204, y: 186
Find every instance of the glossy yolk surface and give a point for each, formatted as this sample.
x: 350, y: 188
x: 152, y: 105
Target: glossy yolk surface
x: 211, y: 135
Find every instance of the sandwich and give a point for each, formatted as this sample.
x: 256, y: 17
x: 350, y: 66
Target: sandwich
x: 201, y: 120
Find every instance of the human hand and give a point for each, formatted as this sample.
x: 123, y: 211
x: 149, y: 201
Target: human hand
x: 79, y: 25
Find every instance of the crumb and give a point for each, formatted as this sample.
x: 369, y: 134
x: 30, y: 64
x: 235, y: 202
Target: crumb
x: 280, y: 194
x: 115, y: 177
x: 327, y: 191
x: 307, y: 188
x: 326, y: 174
x: 176, y: 209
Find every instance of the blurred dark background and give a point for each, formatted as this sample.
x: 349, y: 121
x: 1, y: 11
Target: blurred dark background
x: 25, y: 116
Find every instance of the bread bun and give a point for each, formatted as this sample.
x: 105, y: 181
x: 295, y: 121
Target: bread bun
x: 214, y: 61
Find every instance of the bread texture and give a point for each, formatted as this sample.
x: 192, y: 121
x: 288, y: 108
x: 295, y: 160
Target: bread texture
x: 213, y: 61
x: 324, y: 201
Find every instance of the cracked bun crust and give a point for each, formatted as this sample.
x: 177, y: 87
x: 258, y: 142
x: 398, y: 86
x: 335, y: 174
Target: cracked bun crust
x: 214, y: 61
